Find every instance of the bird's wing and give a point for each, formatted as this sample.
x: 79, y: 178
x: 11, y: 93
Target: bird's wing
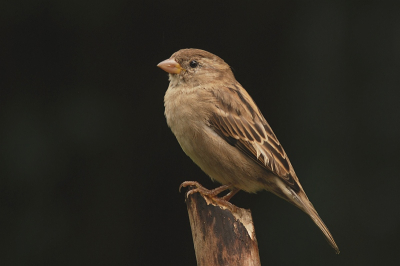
x: 238, y: 120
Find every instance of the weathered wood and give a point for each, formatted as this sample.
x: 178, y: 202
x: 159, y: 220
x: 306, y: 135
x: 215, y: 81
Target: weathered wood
x: 222, y: 235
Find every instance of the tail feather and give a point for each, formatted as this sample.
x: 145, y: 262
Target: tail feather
x: 307, y: 207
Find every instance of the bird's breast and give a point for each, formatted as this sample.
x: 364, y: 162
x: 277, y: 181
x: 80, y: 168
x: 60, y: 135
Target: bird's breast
x: 185, y: 110
x: 187, y: 116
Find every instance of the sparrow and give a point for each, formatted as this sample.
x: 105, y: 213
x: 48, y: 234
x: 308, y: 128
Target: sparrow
x: 219, y: 126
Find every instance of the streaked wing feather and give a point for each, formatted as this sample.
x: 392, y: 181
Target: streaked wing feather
x: 237, y: 117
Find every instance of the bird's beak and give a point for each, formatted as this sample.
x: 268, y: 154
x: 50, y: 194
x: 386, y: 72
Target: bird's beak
x: 170, y: 66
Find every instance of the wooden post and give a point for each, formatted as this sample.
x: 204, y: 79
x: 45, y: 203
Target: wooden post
x: 222, y: 235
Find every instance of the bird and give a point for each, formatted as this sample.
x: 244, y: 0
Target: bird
x: 219, y: 126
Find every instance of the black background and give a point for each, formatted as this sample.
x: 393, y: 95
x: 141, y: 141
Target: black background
x: 90, y: 171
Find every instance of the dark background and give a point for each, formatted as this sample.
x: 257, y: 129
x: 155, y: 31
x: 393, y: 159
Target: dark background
x: 90, y: 171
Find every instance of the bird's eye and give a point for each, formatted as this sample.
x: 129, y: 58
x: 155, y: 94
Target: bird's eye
x: 193, y: 63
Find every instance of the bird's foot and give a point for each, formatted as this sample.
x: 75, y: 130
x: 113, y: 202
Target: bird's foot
x: 202, y: 190
x: 212, y: 195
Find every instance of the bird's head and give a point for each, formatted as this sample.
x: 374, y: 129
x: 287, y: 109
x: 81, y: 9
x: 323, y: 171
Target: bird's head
x: 194, y: 67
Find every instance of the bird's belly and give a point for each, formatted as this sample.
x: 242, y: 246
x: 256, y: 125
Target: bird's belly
x: 223, y: 162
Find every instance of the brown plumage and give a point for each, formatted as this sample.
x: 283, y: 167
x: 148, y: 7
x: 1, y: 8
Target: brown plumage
x: 219, y: 126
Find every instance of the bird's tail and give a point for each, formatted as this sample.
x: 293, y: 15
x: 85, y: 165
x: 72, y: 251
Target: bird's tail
x: 304, y: 204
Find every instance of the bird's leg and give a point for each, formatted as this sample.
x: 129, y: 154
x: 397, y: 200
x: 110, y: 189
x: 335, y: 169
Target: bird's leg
x: 231, y: 193
x: 212, y: 194
x: 202, y: 190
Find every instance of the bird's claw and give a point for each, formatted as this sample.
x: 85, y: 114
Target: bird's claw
x: 211, y: 194
x: 191, y: 183
x: 199, y: 188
